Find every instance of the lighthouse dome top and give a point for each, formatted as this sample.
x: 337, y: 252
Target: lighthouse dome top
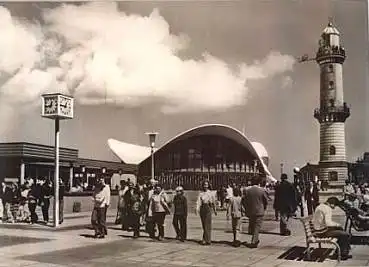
x: 330, y: 29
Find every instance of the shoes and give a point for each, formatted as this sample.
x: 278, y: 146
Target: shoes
x: 205, y: 243
x: 252, y: 245
x: 160, y: 238
x: 346, y: 257
x: 286, y: 233
x: 236, y: 243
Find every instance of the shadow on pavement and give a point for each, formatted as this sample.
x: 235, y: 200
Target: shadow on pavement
x: 299, y: 254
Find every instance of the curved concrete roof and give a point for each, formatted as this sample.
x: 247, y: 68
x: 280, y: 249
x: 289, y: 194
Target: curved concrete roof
x: 135, y: 154
x: 260, y: 149
x: 129, y: 153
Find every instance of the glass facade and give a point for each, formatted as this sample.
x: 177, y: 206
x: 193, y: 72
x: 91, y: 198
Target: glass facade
x: 189, y: 161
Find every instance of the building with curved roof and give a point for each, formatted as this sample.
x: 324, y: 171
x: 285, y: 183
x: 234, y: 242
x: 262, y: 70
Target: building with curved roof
x: 216, y: 152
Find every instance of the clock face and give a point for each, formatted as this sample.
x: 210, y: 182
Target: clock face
x: 66, y: 106
x: 50, y: 105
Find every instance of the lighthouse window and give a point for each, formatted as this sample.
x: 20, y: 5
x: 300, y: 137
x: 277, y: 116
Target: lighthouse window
x: 333, y: 176
x: 332, y: 150
x: 331, y: 83
x: 330, y: 68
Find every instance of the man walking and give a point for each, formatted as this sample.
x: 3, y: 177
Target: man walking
x: 312, y: 197
x: 255, y: 202
x: 180, y: 214
x: 285, y: 202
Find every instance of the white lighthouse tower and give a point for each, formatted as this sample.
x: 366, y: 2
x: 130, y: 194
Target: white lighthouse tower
x: 333, y: 111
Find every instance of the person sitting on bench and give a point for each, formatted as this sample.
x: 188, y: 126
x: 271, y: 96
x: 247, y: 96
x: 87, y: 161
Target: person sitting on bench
x: 324, y: 226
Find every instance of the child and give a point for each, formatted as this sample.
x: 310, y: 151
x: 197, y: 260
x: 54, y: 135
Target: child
x: 180, y: 214
x: 234, y: 209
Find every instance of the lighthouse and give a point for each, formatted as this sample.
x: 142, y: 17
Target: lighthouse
x: 333, y: 110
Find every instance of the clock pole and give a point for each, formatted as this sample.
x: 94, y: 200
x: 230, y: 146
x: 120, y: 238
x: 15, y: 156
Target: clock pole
x: 57, y: 107
x: 56, y: 173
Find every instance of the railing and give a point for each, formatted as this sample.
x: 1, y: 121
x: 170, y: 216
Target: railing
x: 332, y: 113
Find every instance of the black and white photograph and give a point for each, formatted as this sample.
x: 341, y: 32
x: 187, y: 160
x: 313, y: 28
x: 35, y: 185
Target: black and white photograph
x: 173, y: 133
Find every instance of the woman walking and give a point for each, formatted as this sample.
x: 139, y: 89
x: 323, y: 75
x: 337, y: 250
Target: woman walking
x: 204, y: 206
x: 159, y: 207
x: 133, y: 202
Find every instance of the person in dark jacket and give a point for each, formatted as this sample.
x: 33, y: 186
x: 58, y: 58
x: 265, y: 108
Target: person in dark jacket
x: 254, y: 203
x: 61, y: 200
x: 14, y: 204
x: 180, y: 214
x: 312, y: 197
x: 276, y: 212
x: 33, y: 196
x: 45, y: 195
x: 134, y: 209
x: 285, y: 202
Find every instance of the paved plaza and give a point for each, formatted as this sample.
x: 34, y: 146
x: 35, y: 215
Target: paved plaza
x: 73, y: 245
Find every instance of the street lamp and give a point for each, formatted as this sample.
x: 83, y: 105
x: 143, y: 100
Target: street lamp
x: 281, y: 169
x: 152, y: 137
x: 57, y: 107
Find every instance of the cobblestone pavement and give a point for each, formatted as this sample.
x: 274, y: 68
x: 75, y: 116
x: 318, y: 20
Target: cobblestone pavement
x: 71, y: 245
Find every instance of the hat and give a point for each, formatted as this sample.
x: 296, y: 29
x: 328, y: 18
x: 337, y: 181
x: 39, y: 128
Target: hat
x: 296, y: 170
x: 333, y: 200
x: 179, y: 188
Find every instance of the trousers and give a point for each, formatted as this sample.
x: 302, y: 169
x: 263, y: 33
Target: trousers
x: 98, y: 220
x: 1, y: 209
x: 180, y: 226
x: 284, y: 216
x: 205, y: 216
x: 32, y: 209
x: 343, y: 238
x: 158, y: 220
x: 45, y: 209
x: 255, y: 223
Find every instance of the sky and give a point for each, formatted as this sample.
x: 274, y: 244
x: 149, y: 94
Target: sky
x: 169, y: 66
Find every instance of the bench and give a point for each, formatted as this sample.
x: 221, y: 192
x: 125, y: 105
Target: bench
x: 312, y: 239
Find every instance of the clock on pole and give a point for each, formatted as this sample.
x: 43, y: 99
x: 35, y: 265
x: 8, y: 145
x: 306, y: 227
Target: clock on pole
x: 57, y: 107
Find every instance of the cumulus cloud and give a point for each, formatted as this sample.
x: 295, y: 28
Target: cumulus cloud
x: 101, y: 55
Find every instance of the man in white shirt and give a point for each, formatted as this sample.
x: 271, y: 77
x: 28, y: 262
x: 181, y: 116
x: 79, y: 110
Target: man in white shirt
x: 101, y: 197
x: 325, y: 227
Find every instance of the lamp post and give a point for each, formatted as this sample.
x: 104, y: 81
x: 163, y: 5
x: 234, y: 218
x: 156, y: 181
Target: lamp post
x: 281, y: 169
x: 152, y: 138
x: 57, y: 107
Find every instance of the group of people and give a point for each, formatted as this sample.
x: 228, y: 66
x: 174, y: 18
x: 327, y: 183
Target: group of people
x: 148, y: 205
x: 18, y: 203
